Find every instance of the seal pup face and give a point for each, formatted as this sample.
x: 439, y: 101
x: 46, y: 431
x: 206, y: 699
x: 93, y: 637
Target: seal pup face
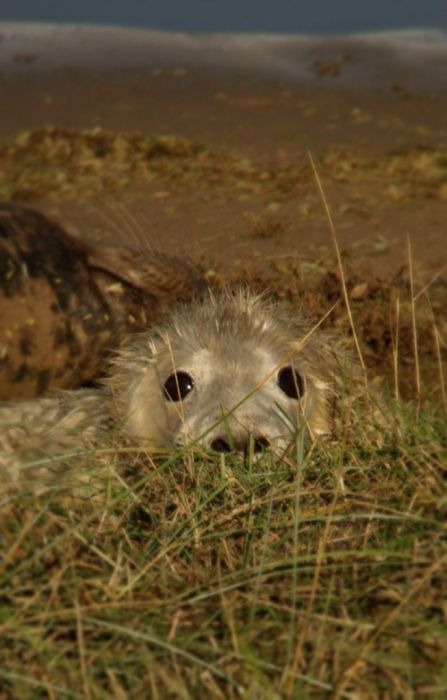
x: 229, y: 371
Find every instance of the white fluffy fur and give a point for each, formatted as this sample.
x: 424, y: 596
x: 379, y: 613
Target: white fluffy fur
x: 233, y: 346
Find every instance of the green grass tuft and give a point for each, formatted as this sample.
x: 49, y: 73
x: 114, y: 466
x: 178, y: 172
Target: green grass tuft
x: 196, y: 577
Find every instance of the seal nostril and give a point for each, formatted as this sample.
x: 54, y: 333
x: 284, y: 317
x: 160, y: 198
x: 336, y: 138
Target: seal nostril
x: 220, y: 445
x: 260, y: 444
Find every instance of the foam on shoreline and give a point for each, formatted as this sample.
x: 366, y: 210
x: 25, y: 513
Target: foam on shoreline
x: 376, y: 60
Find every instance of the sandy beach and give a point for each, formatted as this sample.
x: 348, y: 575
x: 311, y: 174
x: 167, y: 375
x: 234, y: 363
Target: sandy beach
x: 272, y: 100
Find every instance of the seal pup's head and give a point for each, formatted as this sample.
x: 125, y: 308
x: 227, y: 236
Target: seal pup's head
x: 231, y: 372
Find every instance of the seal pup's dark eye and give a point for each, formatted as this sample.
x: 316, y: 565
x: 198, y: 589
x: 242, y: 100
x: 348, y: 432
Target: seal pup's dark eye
x: 177, y: 386
x: 291, y: 382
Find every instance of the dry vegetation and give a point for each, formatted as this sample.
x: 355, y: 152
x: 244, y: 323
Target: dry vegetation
x: 322, y: 574
x: 319, y: 575
x: 64, y: 162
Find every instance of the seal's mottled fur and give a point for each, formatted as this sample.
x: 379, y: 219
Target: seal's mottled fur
x: 233, y: 347
x: 65, y: 303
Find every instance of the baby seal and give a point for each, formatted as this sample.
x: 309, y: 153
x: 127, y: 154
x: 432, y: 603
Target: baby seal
x: 231, y: 372
x: 64, y: 303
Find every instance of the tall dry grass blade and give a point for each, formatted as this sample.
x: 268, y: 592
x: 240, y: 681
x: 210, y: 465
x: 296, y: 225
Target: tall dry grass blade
x: 437, y: 338
x: 81, y: 646
x: 339, y: 260
x: 417, y: 371
x: 430, y: 282
x: 298, y: 654
x: 395, y: 348
x: 296, y: 528
x: 440, y: 367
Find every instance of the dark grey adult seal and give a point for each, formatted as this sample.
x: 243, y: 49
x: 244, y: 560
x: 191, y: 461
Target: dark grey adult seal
x: 65, y: 303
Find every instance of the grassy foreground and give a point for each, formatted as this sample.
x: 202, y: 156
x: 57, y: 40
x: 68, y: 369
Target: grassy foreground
x: 322, y: 574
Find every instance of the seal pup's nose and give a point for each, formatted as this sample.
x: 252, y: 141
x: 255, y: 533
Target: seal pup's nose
x: 240, y: 443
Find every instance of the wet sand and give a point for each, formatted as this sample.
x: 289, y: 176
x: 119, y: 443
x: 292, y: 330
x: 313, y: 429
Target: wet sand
x: 274, y: 121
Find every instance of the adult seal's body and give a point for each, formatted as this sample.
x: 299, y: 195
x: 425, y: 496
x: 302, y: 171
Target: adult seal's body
x: 64, y: 303
x: 232, y: 372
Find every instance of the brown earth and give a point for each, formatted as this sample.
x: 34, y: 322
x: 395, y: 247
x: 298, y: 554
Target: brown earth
x: 274, y: 125
x: 246, y: 203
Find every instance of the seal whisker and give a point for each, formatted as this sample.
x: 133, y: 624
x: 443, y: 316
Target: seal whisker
x: 222, y: 371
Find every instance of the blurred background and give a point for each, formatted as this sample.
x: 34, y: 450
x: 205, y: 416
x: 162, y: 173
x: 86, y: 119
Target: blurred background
x: 360, y: 85
x: 319, y: 16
